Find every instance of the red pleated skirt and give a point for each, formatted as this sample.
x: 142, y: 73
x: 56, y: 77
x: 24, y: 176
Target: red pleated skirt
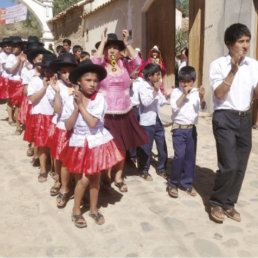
x: 37, y: 129
x: 91, y: 161
x: 24, y: 109
x: 51, y: 132
x: 15, y: 91
x: 4, y: 82
x: 126, y: 130
x: 59, y: 143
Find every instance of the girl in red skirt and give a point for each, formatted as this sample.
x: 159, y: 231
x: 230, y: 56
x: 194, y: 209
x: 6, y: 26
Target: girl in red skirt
x: 41, y: 113
x: 91, y: 146
x: 57, y: 95
x: 14, y: 65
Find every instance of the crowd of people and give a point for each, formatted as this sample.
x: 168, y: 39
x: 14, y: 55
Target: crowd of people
x: 83, y: 113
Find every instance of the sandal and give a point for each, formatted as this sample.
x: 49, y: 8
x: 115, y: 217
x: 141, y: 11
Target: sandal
x: 217, y: 213
x: 79, y: 221
x: 172, y: 191
x: 162, y: 174
x: 121, y: 186
x: 42, y: 177
x: 63, y: 197
x: 191, y: 191
x: 12, y: 123
x: 54, y: 190
x: 30, y: 151
x: 98, y: 217
x: 18, y: 132
x: 147, y: 177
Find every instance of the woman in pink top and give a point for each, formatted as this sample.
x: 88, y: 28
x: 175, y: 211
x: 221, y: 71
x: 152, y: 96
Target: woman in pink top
x: 119, y: 119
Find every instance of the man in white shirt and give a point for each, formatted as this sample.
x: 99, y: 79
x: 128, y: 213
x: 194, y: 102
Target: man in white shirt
x: 186, y: 101
x: 234, y: 80
x: 151, y: 99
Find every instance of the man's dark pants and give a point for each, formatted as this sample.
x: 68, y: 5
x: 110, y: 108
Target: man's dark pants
x: 233, y: 135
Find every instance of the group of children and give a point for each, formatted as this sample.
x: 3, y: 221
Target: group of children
x: 57, y: 100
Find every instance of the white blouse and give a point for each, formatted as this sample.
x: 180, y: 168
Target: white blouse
x: 10, y: 62
x: 43, y: 106
x: 81, y: 131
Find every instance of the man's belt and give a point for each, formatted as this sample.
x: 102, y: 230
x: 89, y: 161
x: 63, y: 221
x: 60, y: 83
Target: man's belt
x: 178, y: 126
x: 236, y: 112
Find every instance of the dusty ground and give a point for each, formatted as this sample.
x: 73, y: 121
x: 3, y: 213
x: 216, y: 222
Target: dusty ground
x: 143, y: 222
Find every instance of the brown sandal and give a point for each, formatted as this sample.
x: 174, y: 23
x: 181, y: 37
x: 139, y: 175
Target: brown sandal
x: 121, y: 186
x: 54, y: 190
x: 79, y: 221
x: 98, y: 217
x: 147, y: 177
x: 172, y: 191
x: 217, y: 213
x: 191, y: 191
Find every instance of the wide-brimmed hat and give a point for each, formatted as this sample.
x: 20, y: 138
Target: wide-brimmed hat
x: 155, y: 49
x: 32, y: 40
x: 16, y: 40
x: 87, y: 67
x: 112, y: 39
x: 5, y: 41
x: 48, y: 58
x: 34, y: 50
x: 63, y: 60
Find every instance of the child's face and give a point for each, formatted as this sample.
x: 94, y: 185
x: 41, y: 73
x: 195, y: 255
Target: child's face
x: 16, y: 50
x: 38, y: 59
x: 186, y: 83
x: 8, y: 49
x: 84, y: 58
x: 48, y: 72
x: 77, y: 54
x: 89, y: 83
x: 155, y: 77
x: 64, y: 73
x: 67, y: 47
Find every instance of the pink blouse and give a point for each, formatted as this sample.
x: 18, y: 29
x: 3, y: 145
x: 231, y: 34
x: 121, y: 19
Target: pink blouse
x: 116, y: 88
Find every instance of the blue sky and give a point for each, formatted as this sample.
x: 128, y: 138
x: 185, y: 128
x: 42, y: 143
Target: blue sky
x: 6, y: 3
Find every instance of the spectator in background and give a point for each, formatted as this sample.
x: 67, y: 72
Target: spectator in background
x: 183, y: 58
x: 60, y: 50
x: 50, y: 48
x: 77, y: 50
x: 67, y: 45
x: 93, y: 52
x: 84, y: 56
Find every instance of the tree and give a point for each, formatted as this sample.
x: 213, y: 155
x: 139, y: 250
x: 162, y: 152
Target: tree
x: 183, y: 5
x: 181, y: 40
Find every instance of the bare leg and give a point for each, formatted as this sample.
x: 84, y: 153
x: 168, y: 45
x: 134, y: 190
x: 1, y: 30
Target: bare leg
x: 79, y: 191
x: 18, y: 123
x: 94, y: 192
x: 65, y: 180
x: 43, y: 152
x: 119, y: 171
x: 10, y: 111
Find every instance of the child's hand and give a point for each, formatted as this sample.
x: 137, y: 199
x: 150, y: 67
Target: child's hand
x: 54, y: 83
x: 187, y: 89
x: 157, y: 86
x: 169, y: 91
x: 45, y: 82
x: 201, y: 92
x: 78, y: 98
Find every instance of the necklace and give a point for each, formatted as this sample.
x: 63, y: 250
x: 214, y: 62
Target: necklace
x: 113, y: 63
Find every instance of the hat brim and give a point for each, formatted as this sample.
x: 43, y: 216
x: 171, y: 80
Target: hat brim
x: 87, y: 68
x: 5, y: 43
x: 57, y: 64
x: 120, y: 44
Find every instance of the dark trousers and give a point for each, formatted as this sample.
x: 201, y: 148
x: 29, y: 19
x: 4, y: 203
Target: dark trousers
x: 133, y: 151
x: 155, y: 132
x: 233, y: 135
x: 183, y: 163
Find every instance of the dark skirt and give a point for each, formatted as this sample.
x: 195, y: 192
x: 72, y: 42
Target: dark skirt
x: 126, y: 130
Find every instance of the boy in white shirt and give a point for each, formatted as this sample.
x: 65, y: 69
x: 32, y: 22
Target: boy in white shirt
x: 186, y: 101
x: 151, y: 99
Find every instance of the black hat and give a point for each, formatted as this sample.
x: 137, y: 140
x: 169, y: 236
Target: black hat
x: 62, y: 60
x: 32, y: 40
x: 5, y: 41
x: 48, y: 58
x: 87, y: 67
x: 112, y: 39
x: 16, y: 40
x: 35, y: 50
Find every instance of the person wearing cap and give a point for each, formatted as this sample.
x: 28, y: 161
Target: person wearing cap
x: 59, y: 92
x: 119, y: 119
x: 91, y: 146
x: 155, y: 57
x: 6, y: 51
x: 42, y: 112
x: 13, y: 66
x: 234, y: 81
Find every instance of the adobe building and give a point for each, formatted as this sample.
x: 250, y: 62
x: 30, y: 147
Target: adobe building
x: 152, y: 22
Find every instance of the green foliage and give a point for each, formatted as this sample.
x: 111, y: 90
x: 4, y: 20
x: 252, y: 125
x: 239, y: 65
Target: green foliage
x: 183, y: 5
x: 61, y: 5
x: 181, y: 40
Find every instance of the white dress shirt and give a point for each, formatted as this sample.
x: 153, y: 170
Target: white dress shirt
x: 3, y: 57
x: 81, y: 131
x: 43, y: 106
x: 149, y: 105
x: 187, y: 113
x: 241, y: 91
x: 134, y: 92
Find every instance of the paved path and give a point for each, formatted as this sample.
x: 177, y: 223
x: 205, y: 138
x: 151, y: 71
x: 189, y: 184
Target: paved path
x: 142, y: 222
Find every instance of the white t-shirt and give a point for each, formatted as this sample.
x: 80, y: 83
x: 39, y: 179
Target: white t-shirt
x: 81, y: 131
x: 43, y: 106
x: 187, y: 113
x: 3, y: 58
x: 134, y: 92
x: 241, y: 91
x: 27, y: 75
